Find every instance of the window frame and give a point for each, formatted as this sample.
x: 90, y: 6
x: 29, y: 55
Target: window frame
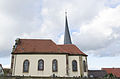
x: 27, y: 67
x: 42, y: 66
x: 74, y: 70
x: 84, y: 66
x: 55, y: 65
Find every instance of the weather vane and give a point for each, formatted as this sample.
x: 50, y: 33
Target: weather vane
x: 66, y: 12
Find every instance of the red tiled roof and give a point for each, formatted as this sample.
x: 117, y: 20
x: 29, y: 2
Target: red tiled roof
x: 37, y: 46
x: 114, y: 71
x: 44, y: 46
x: 71, y: 49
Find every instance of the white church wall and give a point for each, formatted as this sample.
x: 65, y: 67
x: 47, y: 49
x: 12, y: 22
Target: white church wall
x: 84, y: 59
x: 74, y: 73
x: 33, y: 67
x: 14, y: 64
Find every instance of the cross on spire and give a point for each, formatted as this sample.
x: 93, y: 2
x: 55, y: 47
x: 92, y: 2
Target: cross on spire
x: 67, y: 38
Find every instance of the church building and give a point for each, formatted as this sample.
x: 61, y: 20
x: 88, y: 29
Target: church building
x: 45, y: 58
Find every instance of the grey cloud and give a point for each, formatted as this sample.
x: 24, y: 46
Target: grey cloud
x: 17, y: 18
x: 101, y: 36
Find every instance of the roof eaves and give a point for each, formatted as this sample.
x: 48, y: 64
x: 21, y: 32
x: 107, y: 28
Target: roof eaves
x: 39, y: 53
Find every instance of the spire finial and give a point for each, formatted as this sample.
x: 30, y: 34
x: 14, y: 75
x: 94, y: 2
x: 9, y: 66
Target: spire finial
x: 65, y: 12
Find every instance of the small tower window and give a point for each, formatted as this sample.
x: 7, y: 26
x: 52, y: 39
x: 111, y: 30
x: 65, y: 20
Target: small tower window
x: 26, y: 66
x: 84, y: 66
x: 40, y: 64
x: 54, y: 65
x: 74, y: 65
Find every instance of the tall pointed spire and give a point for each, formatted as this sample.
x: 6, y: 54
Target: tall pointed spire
x: 67, y: 38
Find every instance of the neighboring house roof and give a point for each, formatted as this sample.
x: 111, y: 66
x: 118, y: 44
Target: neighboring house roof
x: 97, y: 73
x: 114, y: 71
x: 44, y: 46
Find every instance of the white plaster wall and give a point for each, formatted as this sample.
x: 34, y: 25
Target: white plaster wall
x: 85, y: 73
x: 73, y: 73
x: 14, y: 64
x: 33, y: 67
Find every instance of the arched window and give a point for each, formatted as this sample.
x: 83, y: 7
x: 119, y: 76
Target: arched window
x: 54, y: 65
x: 84, y: 66
x: 74, y: 65
x: 26, y: 66
x: 40, y: 64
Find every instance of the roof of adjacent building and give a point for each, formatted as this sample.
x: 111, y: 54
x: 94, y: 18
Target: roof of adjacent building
x: 44, y: 46
x: 114, y: 71
x: 97, y: 73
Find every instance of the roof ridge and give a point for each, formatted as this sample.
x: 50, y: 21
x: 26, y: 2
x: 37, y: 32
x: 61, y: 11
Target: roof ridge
x: 35, y: 39
x: 65, y: 44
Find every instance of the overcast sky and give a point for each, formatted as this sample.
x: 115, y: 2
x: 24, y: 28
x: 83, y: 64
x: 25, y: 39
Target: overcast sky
x: 94, y: 26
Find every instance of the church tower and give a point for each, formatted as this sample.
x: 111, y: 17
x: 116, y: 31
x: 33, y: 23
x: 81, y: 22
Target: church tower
x: 67, y: 38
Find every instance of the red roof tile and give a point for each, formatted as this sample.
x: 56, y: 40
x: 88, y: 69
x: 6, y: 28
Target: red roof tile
x: 71, y: 49
x: 114, y: 71
x: 37, y: 46
x: 44, y: 46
